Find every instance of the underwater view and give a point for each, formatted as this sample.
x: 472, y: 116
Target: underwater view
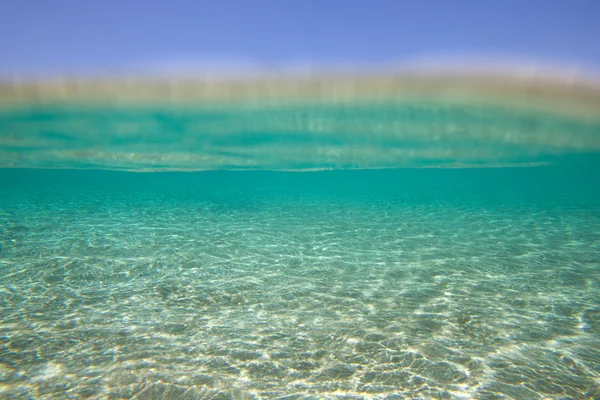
x: 369, y: 238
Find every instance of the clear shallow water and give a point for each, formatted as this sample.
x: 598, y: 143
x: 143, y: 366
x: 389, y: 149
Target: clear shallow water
x: 364, y: 278
x: 409, y: 283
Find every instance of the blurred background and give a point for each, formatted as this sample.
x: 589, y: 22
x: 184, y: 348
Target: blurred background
x: 71, y: 37
x: 542, y: 103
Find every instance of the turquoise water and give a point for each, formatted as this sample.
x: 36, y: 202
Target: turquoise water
x: 390, y: 283
x: 284, y: 136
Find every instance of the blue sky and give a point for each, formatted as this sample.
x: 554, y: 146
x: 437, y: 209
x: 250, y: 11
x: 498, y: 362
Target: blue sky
x: 78, y: 36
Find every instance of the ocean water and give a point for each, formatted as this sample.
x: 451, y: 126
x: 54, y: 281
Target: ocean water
x: 299, y: 253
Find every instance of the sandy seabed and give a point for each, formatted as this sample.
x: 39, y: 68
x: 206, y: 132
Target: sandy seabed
x: 125, y: 294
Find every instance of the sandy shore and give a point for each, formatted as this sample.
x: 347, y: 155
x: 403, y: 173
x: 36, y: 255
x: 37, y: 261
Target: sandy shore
x: 567, y: 95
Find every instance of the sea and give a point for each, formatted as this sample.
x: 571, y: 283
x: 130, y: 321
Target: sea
x: 373, y: 250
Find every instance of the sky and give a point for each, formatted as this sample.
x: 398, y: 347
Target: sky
x: 40, y: 37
